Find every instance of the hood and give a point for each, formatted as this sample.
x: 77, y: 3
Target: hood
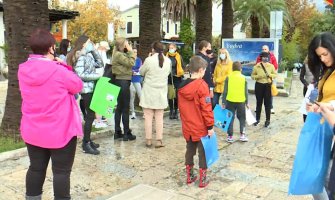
x: 188, y: 88
x: 36, y: 70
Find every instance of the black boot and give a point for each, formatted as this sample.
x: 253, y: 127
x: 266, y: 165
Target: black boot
x: 87, y: 148
x: 267, y: 123
x: 94, y: 145
x: 129, y: 136
x: 175, y: 114
x: 171, y: 114
x: 118, y: 135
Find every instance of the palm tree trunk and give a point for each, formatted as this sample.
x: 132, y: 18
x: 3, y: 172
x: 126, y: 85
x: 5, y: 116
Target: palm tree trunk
x: 266, y: 31
x: 227, y: 27
x: 203, y: 21
x: 21, y: 18
x: 254, y: 27
x: 150, y: 25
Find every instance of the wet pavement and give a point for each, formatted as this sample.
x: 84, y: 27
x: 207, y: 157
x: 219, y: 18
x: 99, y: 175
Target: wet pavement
x: 258, y: 169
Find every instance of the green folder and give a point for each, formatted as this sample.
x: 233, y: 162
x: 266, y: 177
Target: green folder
x: 104, y: 97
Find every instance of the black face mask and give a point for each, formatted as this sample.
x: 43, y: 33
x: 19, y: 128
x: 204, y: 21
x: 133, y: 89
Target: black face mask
x: 208, y: 51
x: 125, y: 50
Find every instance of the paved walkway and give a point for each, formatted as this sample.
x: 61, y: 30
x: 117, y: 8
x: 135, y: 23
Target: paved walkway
x: 258, y: 169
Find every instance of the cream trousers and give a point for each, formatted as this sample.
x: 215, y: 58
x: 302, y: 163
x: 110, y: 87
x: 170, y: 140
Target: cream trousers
x: 149, y: 114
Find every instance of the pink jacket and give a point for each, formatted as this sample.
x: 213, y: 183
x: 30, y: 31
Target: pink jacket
x: 50, y: 114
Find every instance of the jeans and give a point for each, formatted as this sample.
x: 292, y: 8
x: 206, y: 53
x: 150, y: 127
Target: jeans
x: 239, y: 108
x: 216, y: 99
x: 62, y: 161
x: 90, y: 116
x: 135, y: 88
x: 263, y: 93
x: 122, y: 109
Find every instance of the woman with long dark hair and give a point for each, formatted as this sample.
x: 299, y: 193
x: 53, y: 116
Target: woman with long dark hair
x: 155, y: 70
x: 64, y: 48
x: 86, y: 61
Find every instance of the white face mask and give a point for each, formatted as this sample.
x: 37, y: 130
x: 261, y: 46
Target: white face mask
x: 222, y: 56
x: 69, y: 49
x: 172, y: 50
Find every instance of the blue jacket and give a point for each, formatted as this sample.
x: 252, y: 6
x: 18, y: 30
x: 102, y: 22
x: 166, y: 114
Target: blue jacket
x: 136, y: 78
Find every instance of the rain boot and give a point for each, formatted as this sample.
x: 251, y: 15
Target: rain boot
x: 39, y: 197
x: 191, y: 177
x: 203, y: 182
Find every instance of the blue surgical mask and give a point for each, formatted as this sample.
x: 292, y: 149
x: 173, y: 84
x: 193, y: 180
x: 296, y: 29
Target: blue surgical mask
x: 89, y: 47
x: 172, y: 51
x: 69, y: 49
x: 222, y: 56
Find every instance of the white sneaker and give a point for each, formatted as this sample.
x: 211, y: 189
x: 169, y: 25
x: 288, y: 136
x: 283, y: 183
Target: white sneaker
x: 272, y: 111
x: 100, y: 125
x: 243, y: 138
x: 133, y: 115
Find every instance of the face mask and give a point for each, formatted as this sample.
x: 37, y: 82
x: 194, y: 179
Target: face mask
x: 209, y: 51
x: 172, y: 50
x: 89, y: 47
x: 222, y: 56
x: 125, y: 50
x: 69, y: 49
x: 265, y: 59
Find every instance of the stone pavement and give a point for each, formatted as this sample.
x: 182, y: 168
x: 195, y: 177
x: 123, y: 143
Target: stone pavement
x: 258, y: 169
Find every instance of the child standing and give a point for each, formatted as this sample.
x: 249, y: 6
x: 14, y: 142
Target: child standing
x: 196, y: 116
x: 235, y: 99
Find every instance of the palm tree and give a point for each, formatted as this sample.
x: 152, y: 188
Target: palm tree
x: 203, y: 21
x: 33, y: 14
x: 227, y: 25
x: 150, y: 25
x: 256, y: 13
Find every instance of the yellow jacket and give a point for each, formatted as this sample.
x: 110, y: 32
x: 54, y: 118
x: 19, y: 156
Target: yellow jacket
x: 259, y: 75
x: 328, y: 93
x: 220, y: 74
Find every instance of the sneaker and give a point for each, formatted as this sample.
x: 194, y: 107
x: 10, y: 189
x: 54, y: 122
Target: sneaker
x: 243, y: 138
x: 129, y: 136
x: 133, y: 115
x: 256, y: 123
x: 230, y: 139
x: 267, y: 123
x: 100, y: 125
x: 118, y: 135
x: 272, y: 111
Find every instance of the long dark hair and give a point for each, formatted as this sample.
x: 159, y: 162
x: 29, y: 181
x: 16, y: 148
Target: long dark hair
x: 78, y: 45
x: 158, y: 48
x: 64, y: 44
x: 316, y: 66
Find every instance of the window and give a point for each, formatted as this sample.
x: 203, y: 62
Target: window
x: 129, y: 27
x: 167, y: 26
x: 175, y: 29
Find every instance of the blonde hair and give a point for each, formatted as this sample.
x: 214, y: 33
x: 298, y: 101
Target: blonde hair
x: 225, y: 61
x: 120, y: 44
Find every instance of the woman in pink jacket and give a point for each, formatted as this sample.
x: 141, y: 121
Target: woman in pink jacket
x: 50, y: 120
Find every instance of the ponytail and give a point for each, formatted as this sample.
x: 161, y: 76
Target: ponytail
x: 158, y: 47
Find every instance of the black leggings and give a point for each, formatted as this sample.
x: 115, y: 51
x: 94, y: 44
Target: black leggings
x: 173, y: 103
x: 62, y: 161
x: 191, y: 148
x: 263, y: 93
x: 90, y: 116
x: 123, y: 103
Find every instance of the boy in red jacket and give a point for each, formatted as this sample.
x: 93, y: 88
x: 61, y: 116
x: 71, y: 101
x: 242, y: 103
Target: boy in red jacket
x: 197, y: 117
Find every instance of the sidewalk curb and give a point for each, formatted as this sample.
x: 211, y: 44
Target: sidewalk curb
x: 17, y: 153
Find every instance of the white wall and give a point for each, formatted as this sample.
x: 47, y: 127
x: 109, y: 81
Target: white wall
x: 132, y: 16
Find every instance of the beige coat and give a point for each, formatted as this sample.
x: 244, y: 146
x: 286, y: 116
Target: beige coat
x: 154, y: 92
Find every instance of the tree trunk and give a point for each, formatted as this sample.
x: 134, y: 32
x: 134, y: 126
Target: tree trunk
x: 266, y: 32
x: 227, y: 27
x: 150, y: 25
x: 21, y: 18
x: 254, y: 27
x: 203, y: 21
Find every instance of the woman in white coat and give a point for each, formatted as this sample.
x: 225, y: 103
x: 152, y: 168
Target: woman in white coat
x: 155, y: 69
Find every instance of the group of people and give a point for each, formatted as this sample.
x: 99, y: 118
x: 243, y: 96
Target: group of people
x: 51, y: 120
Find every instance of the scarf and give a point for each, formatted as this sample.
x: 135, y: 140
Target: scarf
x: 180, y: 70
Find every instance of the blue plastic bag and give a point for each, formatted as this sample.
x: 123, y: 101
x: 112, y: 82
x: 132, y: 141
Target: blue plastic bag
x: 312, y: 156
x: 211, y: 149
x: 222, y: 117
